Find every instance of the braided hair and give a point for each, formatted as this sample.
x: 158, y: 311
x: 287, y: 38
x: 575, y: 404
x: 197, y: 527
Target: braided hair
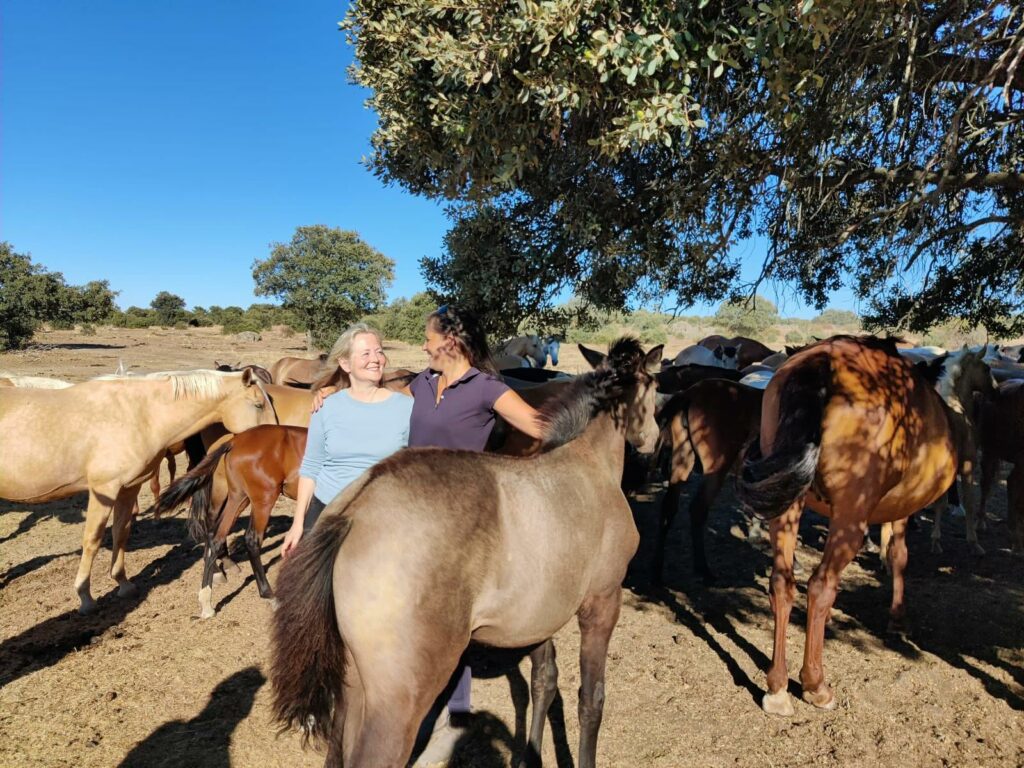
x: 465, y: 329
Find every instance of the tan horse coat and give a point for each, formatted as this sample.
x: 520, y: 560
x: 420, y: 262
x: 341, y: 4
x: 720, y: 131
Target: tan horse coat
x: 107, y: 437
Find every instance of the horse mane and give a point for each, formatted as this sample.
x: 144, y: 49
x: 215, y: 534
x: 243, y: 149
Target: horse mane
x: 185, y: 385
x: 565, y: 417
x: 950, y: 372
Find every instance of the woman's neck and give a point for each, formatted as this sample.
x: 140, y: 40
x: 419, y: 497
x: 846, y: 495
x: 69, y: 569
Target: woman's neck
x: 454, y: 369
x: 364, y: 391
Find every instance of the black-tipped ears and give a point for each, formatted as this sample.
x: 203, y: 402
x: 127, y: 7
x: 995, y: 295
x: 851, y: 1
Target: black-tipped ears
x: 653, y: 359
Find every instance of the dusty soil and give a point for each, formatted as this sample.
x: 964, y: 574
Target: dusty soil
x: 144, y: 682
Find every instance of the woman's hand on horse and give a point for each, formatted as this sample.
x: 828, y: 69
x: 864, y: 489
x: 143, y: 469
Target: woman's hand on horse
x: 320, y: 395
x: 291, y: 540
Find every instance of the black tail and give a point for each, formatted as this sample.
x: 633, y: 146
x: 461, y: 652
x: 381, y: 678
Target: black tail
x: 769, y: 485
x: 195, y: 483
x: 307, y: 654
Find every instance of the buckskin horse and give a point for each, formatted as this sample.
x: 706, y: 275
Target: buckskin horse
x: 433, y: 548
x: 107, y: 437
x: 859, y: 434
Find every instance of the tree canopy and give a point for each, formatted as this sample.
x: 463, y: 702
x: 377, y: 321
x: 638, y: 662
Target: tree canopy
x: 169, y: 308
x: 328, y: 277
x: 621, y: 149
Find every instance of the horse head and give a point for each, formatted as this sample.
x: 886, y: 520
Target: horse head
x: 727, y: 357
x: 247, y: 404
x: 551, y: 345
x: 632, y: 377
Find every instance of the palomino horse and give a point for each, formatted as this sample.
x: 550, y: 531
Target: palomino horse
x: 433, y: 548
x: 259, y: 465
x: 1002, y: 439
x: 107, y: 437
x: 748, y: 351
x: 857, y: 433
x: 712, y: 420
x: 298, y: 371
x: 33, y: 382
x: 529, y: 346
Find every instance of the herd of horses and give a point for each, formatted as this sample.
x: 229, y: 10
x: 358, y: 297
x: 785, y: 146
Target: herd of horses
x: 412, y: 563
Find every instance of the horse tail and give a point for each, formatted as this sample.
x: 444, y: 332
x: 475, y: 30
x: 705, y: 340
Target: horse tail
x: 307, y: 663
x: 770, y: 484
x: 195, y: 484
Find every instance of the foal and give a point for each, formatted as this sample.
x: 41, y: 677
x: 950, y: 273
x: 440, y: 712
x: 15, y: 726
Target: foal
x: 433, y: 548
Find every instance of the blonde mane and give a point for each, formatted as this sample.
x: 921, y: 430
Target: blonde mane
x: 185, y: 385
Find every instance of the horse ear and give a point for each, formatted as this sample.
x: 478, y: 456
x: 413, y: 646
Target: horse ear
x: 653, y: 359
x: 248, y: 376
x: 592, y: 356
x: 719, y: 352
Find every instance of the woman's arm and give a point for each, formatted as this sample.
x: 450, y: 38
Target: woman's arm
x: 322, y: 394
x: 520, y: 414
x: 303, y: 496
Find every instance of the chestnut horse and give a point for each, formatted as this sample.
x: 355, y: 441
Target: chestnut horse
x: 107, y: 437
x: 433, y: 548
x: 712, y: 420
x: 258, y: 465
x: 1002, y: 439
x: 856, y: 432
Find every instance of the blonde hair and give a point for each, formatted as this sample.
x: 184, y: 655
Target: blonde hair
x: 331, y: 373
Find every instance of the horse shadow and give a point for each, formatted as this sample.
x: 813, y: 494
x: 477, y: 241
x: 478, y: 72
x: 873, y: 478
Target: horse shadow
x: 83, y: 345
x: 49, y: 641
x: 206, y: 738
x: 70, y: 510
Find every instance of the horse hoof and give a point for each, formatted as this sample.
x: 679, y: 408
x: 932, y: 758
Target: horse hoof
x: 127, y: 589
x: 220, y: 578
x: 898, y: 628
x: 822, y: 699
x: 87, y: 607
x: 778, y: 703
x: 207, y: 612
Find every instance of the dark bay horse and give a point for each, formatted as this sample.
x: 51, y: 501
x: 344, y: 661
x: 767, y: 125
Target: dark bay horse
x: 259, y: 465
x: 433, y: 548
x: 857, y: 433
x: 1002, y: 439
x: 712, y: 421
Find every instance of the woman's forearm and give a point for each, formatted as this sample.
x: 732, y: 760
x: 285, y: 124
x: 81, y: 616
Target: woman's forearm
x: 303, y: 496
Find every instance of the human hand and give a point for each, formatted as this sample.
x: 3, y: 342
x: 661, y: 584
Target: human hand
x: 320, y: 395
x: 291, y: 540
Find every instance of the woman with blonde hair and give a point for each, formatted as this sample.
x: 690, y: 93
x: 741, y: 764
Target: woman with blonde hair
x: 352, y: 431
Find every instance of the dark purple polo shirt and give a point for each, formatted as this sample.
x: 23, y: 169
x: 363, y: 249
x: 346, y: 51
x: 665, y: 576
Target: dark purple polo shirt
x: 464, y: 417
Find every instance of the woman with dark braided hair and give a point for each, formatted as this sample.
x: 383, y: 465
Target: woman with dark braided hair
x: 455, y: 402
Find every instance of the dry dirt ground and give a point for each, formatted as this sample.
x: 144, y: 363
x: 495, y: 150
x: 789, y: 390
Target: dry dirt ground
x: 144, y: 682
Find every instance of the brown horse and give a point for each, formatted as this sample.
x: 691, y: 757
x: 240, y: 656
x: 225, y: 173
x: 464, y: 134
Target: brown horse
x: 857, y: 433
x: 298, y: 371
x: 747, y: 350
x: 107, y: 437
x: 712, y: 420
x: 259, y: 465
x: 433, y: 548
x: 1002, y: 439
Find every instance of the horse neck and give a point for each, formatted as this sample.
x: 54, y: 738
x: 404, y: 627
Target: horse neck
x: 956, y: 396
x: 606, y: 440
x: 173, y: 420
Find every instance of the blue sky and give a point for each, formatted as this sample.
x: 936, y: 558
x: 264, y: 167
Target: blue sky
x: 164, y: 146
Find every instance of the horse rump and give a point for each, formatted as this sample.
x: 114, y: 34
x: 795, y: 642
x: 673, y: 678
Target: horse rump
x: 307, y: 666
x: 770, y: 484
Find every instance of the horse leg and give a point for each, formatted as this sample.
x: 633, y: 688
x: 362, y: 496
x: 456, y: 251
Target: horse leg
x: 700, y: 508
x: 259, y: 516
x: 123, y: 516
x: 669, y: 508
x: 233, y: 507
x: 937, y: 509
x: 989, y: 470
x: 1015, y: 506
x: 782, y: 587
x: 884, y: 551
x: 543, y: 687
x: 597, y: 618
x: 96, y: 515
x: 172, y: 466
x: 896, y: 563
x: 845, y: 538
x: 970, y: 502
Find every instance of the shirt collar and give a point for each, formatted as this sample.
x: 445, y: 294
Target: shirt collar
x: 470, y: 374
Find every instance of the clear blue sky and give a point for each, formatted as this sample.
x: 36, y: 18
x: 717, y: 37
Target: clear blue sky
x: 164, y: 146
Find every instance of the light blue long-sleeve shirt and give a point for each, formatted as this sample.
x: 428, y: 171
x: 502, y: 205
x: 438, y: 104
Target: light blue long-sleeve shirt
x: 347, y: 437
